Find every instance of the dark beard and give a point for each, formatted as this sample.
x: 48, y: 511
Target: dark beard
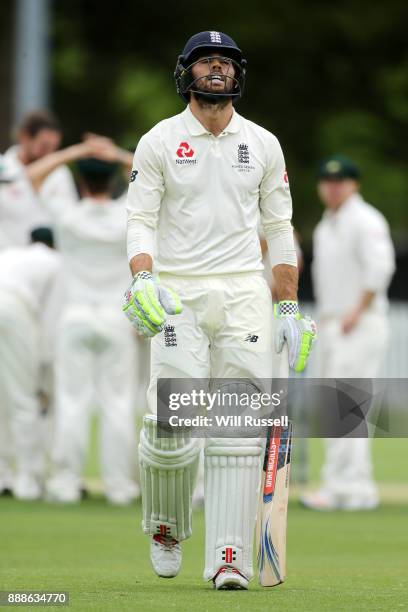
x: 206, y: 99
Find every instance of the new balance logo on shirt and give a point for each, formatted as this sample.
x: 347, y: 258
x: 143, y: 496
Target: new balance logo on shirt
x: 251, y: 338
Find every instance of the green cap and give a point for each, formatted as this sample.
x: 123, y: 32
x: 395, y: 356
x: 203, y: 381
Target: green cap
x: 44, y: 235
x: 96, y: 168
x: 338, y: 167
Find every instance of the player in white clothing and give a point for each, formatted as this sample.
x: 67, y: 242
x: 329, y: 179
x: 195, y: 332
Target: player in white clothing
x: 198, y: 183
x: 96, y: 354
x: 28, y: 277
x: 38, y: 134
x: 6, y: 471
x: 353, y: 263
x: 13, y: 179
x: 21, y: 210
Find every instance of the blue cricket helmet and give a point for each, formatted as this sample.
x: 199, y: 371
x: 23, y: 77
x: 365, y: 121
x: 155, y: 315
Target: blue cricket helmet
x: 197, y: 47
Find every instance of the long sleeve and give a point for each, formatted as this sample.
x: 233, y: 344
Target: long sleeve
x: 276, y: 209
x: 144, y: 196
x: 376, y: 253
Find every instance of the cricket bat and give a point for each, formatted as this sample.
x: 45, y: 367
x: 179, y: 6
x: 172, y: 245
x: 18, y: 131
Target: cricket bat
x: 273, y: 507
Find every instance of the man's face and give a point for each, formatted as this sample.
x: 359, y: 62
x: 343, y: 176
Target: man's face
x: 333, y: 192
x: 34, y: 147
x: 214, y: 73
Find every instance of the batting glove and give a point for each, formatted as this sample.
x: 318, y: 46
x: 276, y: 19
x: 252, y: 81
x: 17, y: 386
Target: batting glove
x: 299, y: 333
x: 146, y: 304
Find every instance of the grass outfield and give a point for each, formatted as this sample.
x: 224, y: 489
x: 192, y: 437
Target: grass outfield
x: 336, y: 561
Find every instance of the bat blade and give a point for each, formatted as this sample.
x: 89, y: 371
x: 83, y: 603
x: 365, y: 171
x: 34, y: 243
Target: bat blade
x: 273, y: 507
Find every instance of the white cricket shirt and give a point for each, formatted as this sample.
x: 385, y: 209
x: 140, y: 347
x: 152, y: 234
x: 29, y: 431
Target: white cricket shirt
x: 91, y: 237
x: 352, y: 252
x: 194, y: 199
x: 29, y: 273
x: 21, y: 208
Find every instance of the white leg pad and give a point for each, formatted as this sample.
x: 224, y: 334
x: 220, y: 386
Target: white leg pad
x: 168, y: 468
x: 232, y: 480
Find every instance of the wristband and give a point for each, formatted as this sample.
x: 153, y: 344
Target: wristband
x: 287, y: 308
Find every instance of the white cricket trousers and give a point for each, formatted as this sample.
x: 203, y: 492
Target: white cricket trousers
x: 224, y: 331
x: 96, y: 357
x: 20, y: 417
x: 347, y: 470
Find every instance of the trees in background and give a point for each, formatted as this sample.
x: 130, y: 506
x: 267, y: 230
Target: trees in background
x: 324, y: 78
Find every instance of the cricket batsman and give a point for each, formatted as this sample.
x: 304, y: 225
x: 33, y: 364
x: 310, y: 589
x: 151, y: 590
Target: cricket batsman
x: 200, y: 181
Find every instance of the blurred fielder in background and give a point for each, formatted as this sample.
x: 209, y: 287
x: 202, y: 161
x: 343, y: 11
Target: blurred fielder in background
x: 38, y: 134
x: 199, y: 181
x: 28, y: 281
x: 353, y: 263
x: 95, y: 354
x: 21, y: 210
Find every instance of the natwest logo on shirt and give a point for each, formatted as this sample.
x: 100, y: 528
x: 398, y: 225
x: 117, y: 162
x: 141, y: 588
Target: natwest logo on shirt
x: 185, y: 150
x: 185, y: 154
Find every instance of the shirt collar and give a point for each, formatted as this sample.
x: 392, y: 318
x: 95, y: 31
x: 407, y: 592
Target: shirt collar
x: 196, y: 128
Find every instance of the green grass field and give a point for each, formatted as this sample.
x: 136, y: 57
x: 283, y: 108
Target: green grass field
x: 336, y: 561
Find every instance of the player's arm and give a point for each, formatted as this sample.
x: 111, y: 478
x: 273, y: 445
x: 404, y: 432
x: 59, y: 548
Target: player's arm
x: 141, y: 262
x: 110, y: 151
x: 377, y: 256
x: 38, y: 171
x: 94, y: 146
x: 276, y: 214
x: 146, y: 302
x: 286, y: 279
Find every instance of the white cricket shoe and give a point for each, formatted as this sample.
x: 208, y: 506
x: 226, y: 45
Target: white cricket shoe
x: 230, y: 578
x: 319, y: 500
x: 165, y: 555
x: 325, y: 502
x: 360, y: 503
x: 27, y: 488
x: 56, y: 493
x: 124, y: 496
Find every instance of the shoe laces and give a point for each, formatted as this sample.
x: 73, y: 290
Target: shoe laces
x: 165, y: 541
x: 229, y: 570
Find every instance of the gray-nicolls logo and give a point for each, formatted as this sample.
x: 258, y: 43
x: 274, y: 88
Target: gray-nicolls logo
x: 243, y: 153
x: 170, y: 338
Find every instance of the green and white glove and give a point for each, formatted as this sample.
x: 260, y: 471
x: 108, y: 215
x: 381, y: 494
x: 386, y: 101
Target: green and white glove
x: 299, y: 333
x: 146, y: 304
